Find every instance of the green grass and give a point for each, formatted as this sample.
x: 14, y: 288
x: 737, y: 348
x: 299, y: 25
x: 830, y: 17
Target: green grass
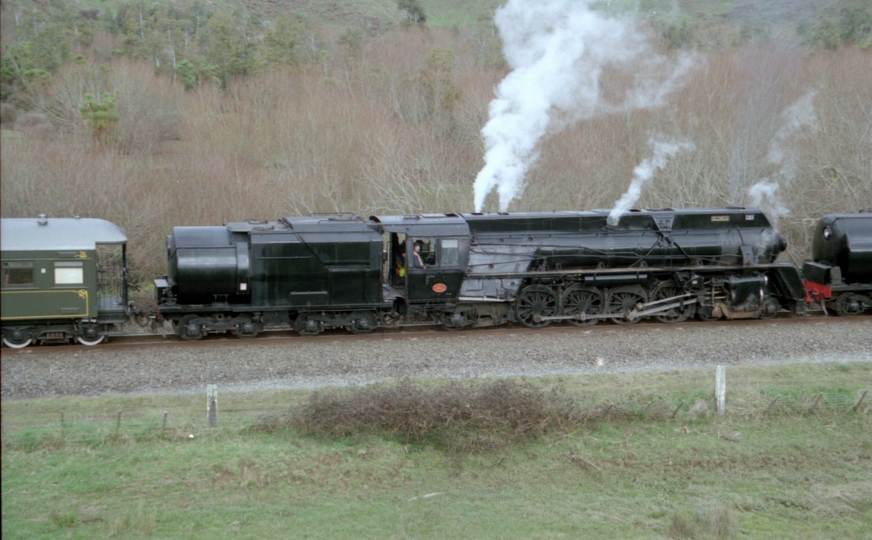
x: 789, y: 474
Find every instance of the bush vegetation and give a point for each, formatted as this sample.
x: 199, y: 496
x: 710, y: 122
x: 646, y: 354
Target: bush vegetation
x: 458, y: 417
x: 229, y: 115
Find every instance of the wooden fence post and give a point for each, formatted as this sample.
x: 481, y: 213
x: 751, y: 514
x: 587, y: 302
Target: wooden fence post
x: 212, y: 405
x: 721, y: 389
x: 857, y: 406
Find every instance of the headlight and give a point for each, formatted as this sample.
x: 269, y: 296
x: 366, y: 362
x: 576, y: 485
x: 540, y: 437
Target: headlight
x: 828, y: 233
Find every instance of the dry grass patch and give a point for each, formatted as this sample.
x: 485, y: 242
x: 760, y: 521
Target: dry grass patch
x: 459, y: 417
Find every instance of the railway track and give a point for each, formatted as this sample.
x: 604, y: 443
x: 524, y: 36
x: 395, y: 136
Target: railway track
x: 159, y: 340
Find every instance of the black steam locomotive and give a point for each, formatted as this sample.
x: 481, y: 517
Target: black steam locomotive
x: 455, y: 270
x: 458, y: 270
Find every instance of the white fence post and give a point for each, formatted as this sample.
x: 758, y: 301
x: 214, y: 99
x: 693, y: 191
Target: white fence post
x: 721, y: 389
x: 212, y: 405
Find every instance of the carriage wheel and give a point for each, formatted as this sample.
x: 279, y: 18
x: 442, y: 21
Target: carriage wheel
x: 534, y: 302
x: 17, y: 343
x: 622, y: 300
x: 670, y: 289
x: 579, y: 299
x: 90, y: 342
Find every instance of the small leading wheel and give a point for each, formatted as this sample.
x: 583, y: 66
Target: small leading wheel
x: 770, y: 308
x: 535, y: 302
x: 623, y: 300
x: 849, y: 304
x: 670, y: 289
x: 13, y: 343
x: 578, y: 300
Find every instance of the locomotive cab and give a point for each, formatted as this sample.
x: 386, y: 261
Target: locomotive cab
x: 443, y: 252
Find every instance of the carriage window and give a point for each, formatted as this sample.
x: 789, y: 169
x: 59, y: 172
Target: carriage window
x: 69, y: 273
x: 450, y: 252
x: 18, y: 273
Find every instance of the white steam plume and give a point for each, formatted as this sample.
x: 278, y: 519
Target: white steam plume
x: 764, y: 194
x: 797, y: 116
x: 644, y: 171
x: 557, y: 50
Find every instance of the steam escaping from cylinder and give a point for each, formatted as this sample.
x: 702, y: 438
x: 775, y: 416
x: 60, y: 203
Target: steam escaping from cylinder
x: 557, y: 50
x: 644, y: 171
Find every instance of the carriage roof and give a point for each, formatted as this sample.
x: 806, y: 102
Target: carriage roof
x: 49, y: 234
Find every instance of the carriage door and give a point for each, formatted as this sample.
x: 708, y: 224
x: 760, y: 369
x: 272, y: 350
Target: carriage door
x: 111, y: 279
x: 444, y: 266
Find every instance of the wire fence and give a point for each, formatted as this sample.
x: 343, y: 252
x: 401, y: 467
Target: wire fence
x: 31, y: 428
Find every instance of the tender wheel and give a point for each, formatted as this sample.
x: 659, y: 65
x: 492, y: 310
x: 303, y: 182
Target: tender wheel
x: 849, y: 304
x: 622, y: 300
x: 363, y: 322
x: 770, y: 308
x: 580, y: 299
x: 534, y: 302
x: 246, y: 330
x: 13, y: 343
x: 187, y: 329
x: 670, y: 289
x: 306, y: 326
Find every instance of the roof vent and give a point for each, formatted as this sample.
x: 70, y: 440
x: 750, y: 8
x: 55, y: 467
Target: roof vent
x: 42, y: 220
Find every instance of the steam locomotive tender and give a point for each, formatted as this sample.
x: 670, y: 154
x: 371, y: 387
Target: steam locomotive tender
x: 340, y: 271
x: 839, y: 276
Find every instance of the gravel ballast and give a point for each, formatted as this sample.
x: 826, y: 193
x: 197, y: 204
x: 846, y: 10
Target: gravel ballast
x: 262, y: 365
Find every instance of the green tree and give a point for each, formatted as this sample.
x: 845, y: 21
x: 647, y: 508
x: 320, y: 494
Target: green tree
x: 437, y: 77
x: 855, y: 24
x: 282, y: 42
x: 414, y: 12
x: 100, y: 116
x: 826, y: 35
x: 228, y: 47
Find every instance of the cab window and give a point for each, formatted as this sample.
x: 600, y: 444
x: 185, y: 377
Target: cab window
x: 18, y: 273
x: 69, y: 273
x: 428, y: 251
x: 450, y: 252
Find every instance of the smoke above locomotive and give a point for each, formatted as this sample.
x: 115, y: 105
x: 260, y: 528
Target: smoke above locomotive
x: 558, y: 51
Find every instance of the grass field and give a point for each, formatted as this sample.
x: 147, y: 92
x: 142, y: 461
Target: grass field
x: 788, y: 473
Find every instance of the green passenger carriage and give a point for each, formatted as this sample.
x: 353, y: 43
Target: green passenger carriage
x: 62, y: 279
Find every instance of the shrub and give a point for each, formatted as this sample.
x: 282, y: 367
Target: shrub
x: 458, y: 416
